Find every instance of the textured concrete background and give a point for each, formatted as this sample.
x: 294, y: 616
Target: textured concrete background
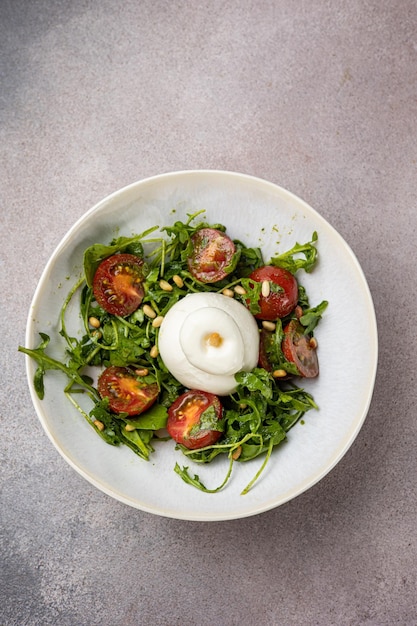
x: 317, y: 96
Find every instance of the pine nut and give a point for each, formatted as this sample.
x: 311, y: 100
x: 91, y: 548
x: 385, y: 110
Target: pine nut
x: 94, y: 322
x: 313, y: 343
x: 148, y: 311
x: 269, y: 325
x: 165, y: 285
x: 279, y: 373
x: 240, y: 290
x: 228, y: 292
x: 236, y: 453
x: 158, y: 321
x: 298, y: 311
x: 178, y: 281
x: 142, y: 372
x: 266, y: 288
x: 130, y: 428
x: 154, y: 352
x: 214, y: 340
x: 98, y: 425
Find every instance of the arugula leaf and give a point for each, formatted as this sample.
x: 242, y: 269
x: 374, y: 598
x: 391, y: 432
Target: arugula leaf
x: 291, y: 259
x: 256, y: 380
x: 195, y: 480
x: 48, y: 363
x: 311, y: 317
x: 272, y: 344
x: 208, y: 421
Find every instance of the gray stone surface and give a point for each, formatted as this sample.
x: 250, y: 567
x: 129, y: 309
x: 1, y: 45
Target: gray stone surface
x: 319, y: 97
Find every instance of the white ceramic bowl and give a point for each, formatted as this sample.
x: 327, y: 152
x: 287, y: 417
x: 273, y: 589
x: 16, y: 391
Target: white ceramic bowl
x: 260, y: 214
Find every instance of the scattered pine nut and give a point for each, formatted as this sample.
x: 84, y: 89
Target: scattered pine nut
x: 154, y: 352
x: 279, y: 373
x: 178, y: 281
x: 164, y: 284
x: 228, y: 292
x: 98, y: 425
x: 240, y: 290
x: 236, y: 453
x: 130, y: 428
x: 242, y: 405
x: 148, y: 311
x: 158, y: 321
x: 266, y: 288
x: 94, y: 322
x: 269, y: 325
x: 313, y: 343
x: 298, y: 311
x: 142, y: 372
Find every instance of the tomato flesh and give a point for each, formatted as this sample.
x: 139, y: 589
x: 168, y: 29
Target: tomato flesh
x: 190, y: 416
x: 212, y: 252
x: 117, y: 284
x: 300, y: 350
x: 265, y: 340
x: 283, y: 292
x: 126, y: 392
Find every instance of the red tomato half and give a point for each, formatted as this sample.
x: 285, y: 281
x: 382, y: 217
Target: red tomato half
x: 283, y: 292
x: 300, y: 350
x: 127, y: 393
x: 189, y: 418
x: 117, y: 284
x: 213, y: 251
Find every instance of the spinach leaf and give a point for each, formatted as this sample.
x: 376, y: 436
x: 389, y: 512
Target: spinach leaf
x: 154, y: 418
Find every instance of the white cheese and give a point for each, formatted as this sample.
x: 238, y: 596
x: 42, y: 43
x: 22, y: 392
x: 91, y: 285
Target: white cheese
x: 205, y: 339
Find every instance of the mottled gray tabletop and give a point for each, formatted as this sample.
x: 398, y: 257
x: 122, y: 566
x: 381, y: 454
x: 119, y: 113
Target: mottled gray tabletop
x: 319, y: 97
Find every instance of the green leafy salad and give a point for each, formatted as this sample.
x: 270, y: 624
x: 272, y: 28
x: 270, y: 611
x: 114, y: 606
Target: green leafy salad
x: 189, y: 338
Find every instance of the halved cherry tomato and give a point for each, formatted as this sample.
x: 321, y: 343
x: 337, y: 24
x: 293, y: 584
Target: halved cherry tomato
x: 127, y: 393
x: 190, y: 416
x: 300, y: 349
x: 213, y: 251
x: 117, y: 284
x: 283, y: 292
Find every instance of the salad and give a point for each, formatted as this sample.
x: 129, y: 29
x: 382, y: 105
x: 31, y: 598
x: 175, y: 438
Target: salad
x: 189, y: 336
